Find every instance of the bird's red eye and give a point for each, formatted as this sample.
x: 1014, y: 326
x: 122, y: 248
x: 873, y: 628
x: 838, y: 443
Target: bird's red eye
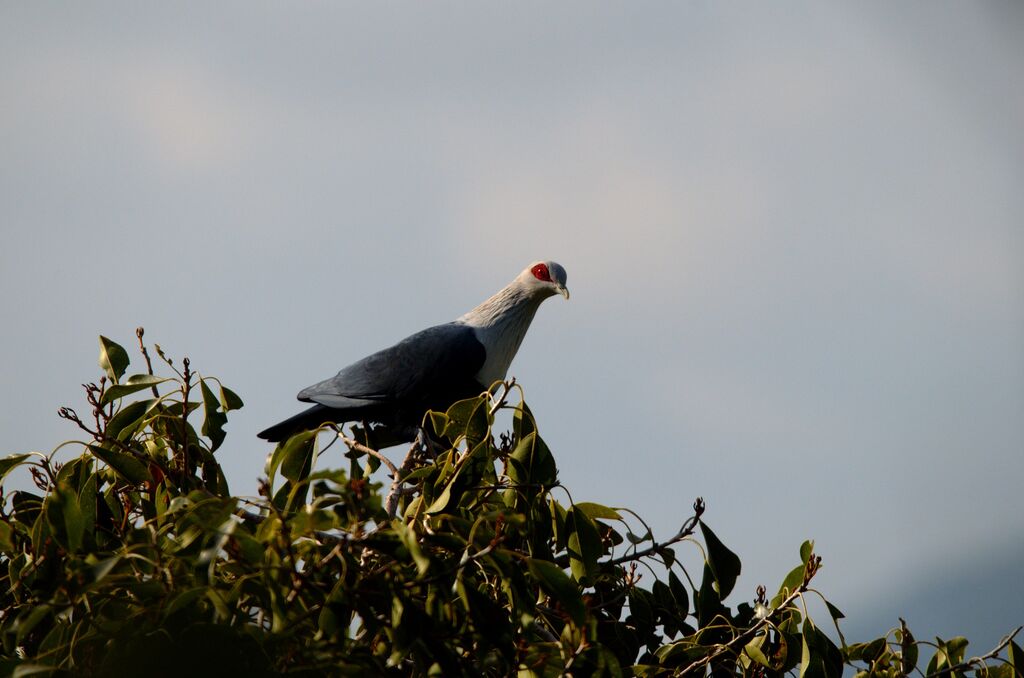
x: 540, y: 272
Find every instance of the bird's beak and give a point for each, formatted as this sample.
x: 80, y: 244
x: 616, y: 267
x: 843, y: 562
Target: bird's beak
x: 563, y: 290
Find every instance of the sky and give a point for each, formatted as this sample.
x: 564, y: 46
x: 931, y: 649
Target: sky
x: 794, y: 236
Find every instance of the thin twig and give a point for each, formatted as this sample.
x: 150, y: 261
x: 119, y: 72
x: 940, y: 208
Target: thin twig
x: 145, y: 354
x: 187, y: 377
x: 359, y: 447
x: 394, y: 494
x: 685, y: 531
x: 506, y: 387
x: 992, y: 654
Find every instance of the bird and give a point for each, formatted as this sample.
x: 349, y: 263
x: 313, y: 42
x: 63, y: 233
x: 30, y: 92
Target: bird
x: 432, y: 368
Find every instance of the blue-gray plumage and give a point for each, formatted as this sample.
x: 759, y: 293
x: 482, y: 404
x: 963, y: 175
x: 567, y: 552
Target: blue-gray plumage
x: 432, y: 368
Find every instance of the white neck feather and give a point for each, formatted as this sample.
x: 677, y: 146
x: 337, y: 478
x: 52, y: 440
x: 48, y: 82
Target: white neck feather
x: 501, y: 323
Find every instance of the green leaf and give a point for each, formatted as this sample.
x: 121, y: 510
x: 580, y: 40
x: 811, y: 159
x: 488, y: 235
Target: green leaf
x: 229, y: 400
x: 813, y: 657
x: 560, y: 587
x: 870, y: 651
x: 724, y: 564
x: 597, y: 511
x: 668, y: 555
x: 910, y: 653
x: 127, y: 420
x: 1016, y: 656
x: 522, y: 421
x: 439, y: 420
x: 707, y: 602
x: 641, y: 610
x: 104, y: 567
x: 6, y: 539
x: 411, y: 541
x: 26, y: 623
x: 443, y: 499
x: 793, y: 580
x: 806, y: 549
x: 25, y: 670
x: 679, y: 592
x: 532, y: 463
x: 8, y: 464
x: 469, y: 418
x: 113, y: 359
x: 296, y: 455
x: 125, y: 465
x: 584, y: 545
x: 826, y: 658
x: 955, y: 649
x: 834, y: 611
x: 753, y: 650
x: 186, y: 598
x: 134, y: 383
x: 74, y: 522
x: 636, y: 539
x: 213, y: 420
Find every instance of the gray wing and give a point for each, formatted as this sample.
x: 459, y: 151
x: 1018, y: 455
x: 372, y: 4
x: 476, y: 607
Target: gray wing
x: 433, y: 368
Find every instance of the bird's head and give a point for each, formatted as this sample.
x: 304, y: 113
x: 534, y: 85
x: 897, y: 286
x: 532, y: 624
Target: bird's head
x: 544, y: 279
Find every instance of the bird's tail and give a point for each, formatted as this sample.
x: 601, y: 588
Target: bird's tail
x: 303, y: 421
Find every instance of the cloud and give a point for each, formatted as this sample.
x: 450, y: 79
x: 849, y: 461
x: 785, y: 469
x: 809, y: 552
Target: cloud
x: 175, y: 113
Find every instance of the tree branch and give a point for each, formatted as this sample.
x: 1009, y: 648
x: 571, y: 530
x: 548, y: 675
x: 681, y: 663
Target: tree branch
x: 965, y: 665
x: 685, y: 531
x: 506, y: 387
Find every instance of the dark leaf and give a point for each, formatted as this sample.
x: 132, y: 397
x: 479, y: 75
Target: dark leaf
x: 74, y: 521
x: 127, y: 420
x: 636, y: 539
x: 1016, y: 656
x: 679, y: 592
x: 522, y: 421
x: 910, y: 653
x: 725, y: 564
x: 6, y: 538
x: 229, y: 400
x: 26, y: 623
x: 214, y: 419
x: 7, y: 464
x: 113, y: 359
x: 667, y: 555
x: 597, y: 511
x: 532, y: 463
x: 411, y: 541
x: 584, y: 545
x: 560, y: 587
x: 445, y: 498
x: 296, y: 455
x: 470, y: 419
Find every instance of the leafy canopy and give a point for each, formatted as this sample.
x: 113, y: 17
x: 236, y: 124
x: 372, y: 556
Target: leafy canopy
x: 468, y: 559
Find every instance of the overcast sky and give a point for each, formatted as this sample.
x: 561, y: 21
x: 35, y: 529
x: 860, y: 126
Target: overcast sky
x: 794, y: 235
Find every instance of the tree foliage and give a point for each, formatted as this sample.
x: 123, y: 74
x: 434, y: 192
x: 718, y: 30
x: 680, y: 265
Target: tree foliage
x: 469, y: 559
